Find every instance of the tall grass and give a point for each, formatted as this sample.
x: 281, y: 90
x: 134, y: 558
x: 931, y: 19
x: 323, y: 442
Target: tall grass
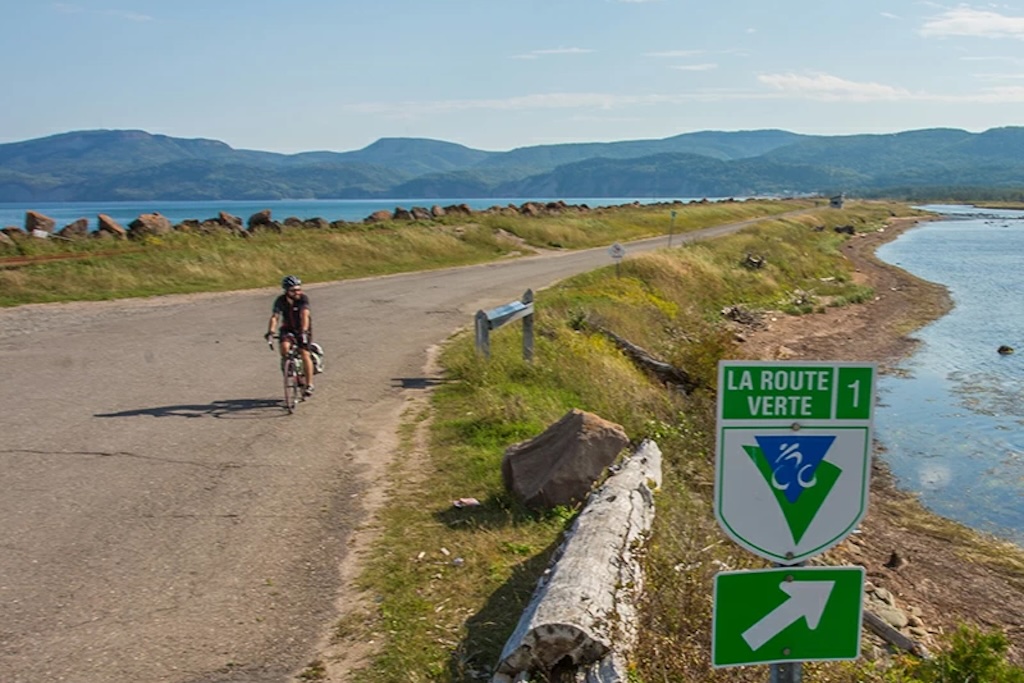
x: 183, y: 262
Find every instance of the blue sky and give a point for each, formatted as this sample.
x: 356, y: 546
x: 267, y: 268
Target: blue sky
x: 302, y: 75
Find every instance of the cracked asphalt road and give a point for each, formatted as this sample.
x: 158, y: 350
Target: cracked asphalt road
x: 162, y: 519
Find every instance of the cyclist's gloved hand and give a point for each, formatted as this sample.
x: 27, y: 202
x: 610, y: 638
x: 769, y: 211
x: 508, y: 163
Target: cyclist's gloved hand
x: 267, y: 336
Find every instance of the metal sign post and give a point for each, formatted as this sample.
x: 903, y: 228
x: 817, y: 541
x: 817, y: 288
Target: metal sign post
x: 617, y: 252
x: 671, y: 227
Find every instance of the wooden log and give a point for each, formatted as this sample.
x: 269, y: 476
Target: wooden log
x: 665, y: 372
x: 894, y: 637
x: 584, y: 607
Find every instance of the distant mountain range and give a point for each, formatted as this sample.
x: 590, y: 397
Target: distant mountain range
x: 113, y: 165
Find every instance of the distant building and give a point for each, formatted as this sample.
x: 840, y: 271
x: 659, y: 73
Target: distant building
x: 836, y: 202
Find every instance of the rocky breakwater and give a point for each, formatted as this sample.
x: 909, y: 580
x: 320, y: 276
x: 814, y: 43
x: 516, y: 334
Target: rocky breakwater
x: 148, y: 225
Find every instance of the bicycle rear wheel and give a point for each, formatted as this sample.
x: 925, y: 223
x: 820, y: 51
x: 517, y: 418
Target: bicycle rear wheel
x: 292, y: 390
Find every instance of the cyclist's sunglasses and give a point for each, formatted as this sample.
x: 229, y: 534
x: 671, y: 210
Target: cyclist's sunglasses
x: 293, y: 290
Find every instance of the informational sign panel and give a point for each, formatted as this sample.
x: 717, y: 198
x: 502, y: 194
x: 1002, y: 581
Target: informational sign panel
x: 792, y: 614
x: 793, y: 454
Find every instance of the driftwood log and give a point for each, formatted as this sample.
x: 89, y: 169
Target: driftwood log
x: 893, y: 636
x: 665, y: 372
x: 582, y: 616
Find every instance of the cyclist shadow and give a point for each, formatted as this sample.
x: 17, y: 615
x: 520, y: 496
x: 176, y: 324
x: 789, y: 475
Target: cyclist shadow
x: 238, y: 409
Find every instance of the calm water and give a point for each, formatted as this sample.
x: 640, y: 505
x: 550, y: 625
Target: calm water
x: 331, y: 209
x: 954, y: 427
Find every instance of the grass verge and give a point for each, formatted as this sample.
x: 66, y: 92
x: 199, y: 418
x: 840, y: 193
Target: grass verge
x: 183, y: 262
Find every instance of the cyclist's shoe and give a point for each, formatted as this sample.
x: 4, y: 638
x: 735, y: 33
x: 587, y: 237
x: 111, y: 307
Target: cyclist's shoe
x: 308, y: 391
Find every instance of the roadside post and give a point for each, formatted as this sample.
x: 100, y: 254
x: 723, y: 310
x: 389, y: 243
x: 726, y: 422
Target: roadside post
x: 791, y: 481
x: 671, y: 227
x: 485, y: 321
x: 617, y: 252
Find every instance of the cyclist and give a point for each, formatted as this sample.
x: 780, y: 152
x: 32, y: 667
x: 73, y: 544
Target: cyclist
x: 291, y: 312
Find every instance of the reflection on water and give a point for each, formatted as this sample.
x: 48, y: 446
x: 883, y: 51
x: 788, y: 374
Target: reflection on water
x: 953, y: 421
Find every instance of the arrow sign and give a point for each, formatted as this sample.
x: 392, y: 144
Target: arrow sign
x: 807, y: 600
x: 788, y: 614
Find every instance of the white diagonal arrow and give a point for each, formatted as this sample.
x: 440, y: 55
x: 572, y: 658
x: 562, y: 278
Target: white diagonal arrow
x: 807, y: 599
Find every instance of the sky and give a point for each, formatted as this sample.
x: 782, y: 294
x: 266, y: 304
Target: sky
x: 303, y: 75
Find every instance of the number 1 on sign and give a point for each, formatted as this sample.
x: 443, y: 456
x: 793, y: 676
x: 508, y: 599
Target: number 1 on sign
x: 856, y: 393
x: 854, y: 382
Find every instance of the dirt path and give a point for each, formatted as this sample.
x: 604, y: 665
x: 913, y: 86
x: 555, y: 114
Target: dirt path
x: 942, y: 577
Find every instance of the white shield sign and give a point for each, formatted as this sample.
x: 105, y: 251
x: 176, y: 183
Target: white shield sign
x: 794, y: 454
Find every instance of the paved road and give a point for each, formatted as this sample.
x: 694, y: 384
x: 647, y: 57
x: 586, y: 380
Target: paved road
x: 161, y: 518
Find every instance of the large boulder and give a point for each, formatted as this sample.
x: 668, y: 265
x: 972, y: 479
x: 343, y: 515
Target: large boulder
x: 231, y: 222
x: 36, y: 221
x: 378, y: 216
x: 13, y: 232
x: 561, y: 465
x: 261, y: 220
x: 149, y: 225
x: 316, y: 223
x: 531, y: 209
x: 108, y: 227
x: 76, y: 229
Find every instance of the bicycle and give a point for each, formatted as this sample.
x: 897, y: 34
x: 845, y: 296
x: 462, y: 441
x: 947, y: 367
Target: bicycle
x: 294, y: 375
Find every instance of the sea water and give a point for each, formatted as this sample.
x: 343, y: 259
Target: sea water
x: 952, y: 422
x: 62, y: 213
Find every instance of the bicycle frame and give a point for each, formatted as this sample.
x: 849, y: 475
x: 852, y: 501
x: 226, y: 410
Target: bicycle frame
x: 294, y: 377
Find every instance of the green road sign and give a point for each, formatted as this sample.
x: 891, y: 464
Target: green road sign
x: 790, y: 614
x: 793, y: 456
x: 795, y: 391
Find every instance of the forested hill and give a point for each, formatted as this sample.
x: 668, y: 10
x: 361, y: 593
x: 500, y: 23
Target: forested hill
x: 111, y: 165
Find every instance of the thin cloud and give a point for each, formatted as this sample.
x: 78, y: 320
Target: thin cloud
x: 536, y: 54
x: 787, y: 86
x: 694, y: 67
x: 1000, y: 95
x: 1000, y: 77
x: 826, y: 87
x: 130, y: 16
x: 674, y: 54
x: 965, y: 21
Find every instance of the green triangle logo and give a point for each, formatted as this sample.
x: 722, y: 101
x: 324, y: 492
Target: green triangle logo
x: 800, y: 513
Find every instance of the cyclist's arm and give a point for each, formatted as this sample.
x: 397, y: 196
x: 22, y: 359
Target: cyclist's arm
x: 304, y: 320
x: 272, y: 323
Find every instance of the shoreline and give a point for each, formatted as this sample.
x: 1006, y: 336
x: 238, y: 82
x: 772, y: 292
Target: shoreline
x: 939, y: 572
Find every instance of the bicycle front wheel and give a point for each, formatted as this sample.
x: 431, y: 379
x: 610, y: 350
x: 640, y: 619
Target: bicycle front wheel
x: 292, y: 390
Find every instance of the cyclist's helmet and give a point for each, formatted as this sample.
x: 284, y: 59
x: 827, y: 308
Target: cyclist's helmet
x: 290, y: 281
